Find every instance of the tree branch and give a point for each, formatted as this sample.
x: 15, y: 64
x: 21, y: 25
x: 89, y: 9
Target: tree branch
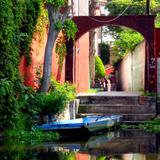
x: 66, y: 14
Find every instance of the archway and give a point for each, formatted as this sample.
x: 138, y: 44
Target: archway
x: 144, y: 24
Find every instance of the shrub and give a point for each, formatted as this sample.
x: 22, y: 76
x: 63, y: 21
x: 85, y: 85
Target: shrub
x: 99, y: 68
x: 18, y: 20
x: 53, y: 102
x: 104, y: 52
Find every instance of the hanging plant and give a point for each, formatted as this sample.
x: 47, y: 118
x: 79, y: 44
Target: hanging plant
x: 61, y: 50
x: 70, y: 29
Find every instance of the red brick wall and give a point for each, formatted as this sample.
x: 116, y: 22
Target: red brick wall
x: 157, y: 41
x: 157, y: 52
x: 81, y: 64
x: 28, y: 72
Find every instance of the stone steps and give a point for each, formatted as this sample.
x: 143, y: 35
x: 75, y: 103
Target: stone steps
x: 108, y: 100
x: 133, y: 108
x: 116, y: 108
x: 128, y: 118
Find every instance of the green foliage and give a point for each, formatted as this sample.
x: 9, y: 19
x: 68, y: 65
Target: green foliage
x: 57, y: 3
x: 28, y: 24
x: 29, y: 137
x: 61, y: 51
x: 127, y: 41
x: 42, y: 19
x: 19, y: 104
x: 136, y: 7
x: 8, y: 104
x: 116, y: 7
x: 104, y: 52
x: 66, y: 88
x: 157, y: 25
x: 95, y: 90
x: 152, y: 126
x: 9, y: 73
x: 151, y: 94
x: 53, y: 102
x: 15, y: 143
x: 58, y: 25
x: 101, y: 158
x: 70, y: 29
x: 66, y: 156
x: 99, y: 68
x: 42, y: 22
x: 17, y: 19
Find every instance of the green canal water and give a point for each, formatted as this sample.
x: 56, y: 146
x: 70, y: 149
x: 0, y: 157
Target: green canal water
x: 126, y: 145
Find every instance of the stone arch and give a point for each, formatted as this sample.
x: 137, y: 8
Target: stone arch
x: 144, y: 24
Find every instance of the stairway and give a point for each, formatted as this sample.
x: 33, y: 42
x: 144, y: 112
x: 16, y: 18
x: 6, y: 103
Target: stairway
x: 134, y: 108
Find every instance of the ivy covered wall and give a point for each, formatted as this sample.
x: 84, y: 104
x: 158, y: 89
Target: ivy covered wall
x: 18, y: 20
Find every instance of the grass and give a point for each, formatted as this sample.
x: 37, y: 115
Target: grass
x: 152, y: 126
x: 94, y: 90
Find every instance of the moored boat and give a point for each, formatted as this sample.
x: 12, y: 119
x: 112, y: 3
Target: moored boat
x: 90, y: 123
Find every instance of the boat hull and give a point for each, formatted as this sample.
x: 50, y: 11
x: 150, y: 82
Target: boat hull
x: 82, y: 126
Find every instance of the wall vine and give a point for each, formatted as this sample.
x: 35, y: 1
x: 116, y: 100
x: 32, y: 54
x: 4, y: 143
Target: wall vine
x: 18, y: 20
x: 69, y: 30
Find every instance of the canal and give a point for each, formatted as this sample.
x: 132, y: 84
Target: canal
x: 122, y: 145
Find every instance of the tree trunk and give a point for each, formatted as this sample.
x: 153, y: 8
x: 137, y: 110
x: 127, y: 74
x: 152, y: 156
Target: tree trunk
x: 92, y: 45
x: 47, y: 68
x: 54, y: 16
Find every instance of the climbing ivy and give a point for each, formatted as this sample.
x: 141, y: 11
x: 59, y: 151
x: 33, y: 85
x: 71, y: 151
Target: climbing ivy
x: 29, y: 21
x: 9, y: 77
x: 61, y: 50
x: 69, y: 30
x: 18, y: 20
x: 59, y: 22
x: 57, y: 3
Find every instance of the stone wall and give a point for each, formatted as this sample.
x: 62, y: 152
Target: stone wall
x: 70, y: 111
x: 131, y: 72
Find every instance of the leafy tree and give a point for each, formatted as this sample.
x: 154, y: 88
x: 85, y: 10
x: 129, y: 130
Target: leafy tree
x: 127, y: 41
x: 57, y: 21
x: 99, y: 68
x: 136, y: 7
x: 104, y: 52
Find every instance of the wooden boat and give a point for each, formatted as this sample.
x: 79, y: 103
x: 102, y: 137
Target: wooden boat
x: 90, y: 123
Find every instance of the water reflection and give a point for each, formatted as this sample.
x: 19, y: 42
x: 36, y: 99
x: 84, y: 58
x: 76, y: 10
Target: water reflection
x: 128, y: 145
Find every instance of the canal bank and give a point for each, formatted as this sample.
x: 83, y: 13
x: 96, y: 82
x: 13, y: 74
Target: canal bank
x: 133, y: 106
